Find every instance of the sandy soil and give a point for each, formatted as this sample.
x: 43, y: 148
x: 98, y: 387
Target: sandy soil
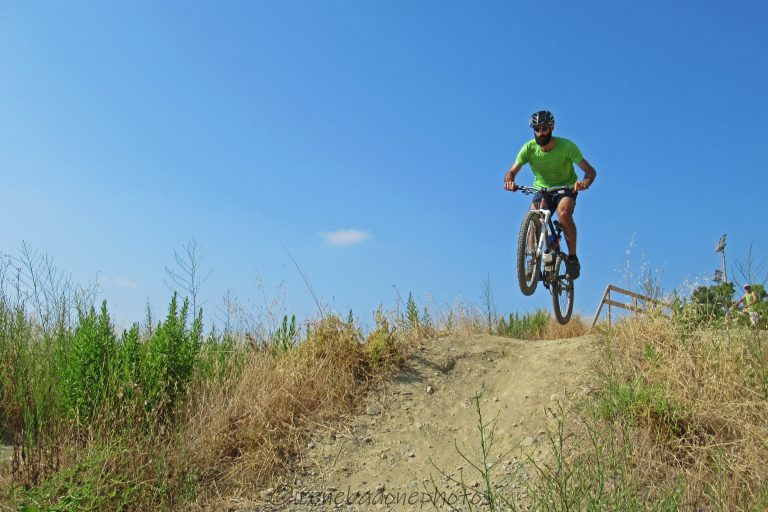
x: 402, y: 451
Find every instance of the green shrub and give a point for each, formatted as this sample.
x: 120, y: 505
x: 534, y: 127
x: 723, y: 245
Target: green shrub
x: 87, y: 362
x: 169, y: 358
x: 635, y: 403
x: 124, y: 474
x: 221, y: 356
x: 412, y: 312
x: 285, y: 337
x: 761, y: 308
x: 712, y: 302
x: 381, y: 344
x: 524, y: 326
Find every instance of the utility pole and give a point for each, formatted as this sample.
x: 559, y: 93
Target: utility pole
x: 721, y: 249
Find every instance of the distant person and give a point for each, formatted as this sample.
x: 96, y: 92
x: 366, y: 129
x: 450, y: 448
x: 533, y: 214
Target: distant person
x: 750, y: 298
x: 551, y: 160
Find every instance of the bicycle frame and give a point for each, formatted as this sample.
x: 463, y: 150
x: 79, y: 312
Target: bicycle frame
x: 531, y: 247
x: 549, y: 239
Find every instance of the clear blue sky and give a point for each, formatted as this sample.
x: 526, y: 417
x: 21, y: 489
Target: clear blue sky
x: 128, y: 128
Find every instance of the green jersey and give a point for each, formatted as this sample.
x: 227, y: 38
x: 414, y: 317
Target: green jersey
x: 751, y: 299
x: 553, y: 168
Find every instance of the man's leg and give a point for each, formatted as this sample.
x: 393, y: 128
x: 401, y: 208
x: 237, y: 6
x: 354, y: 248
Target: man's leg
x: 565, y: 214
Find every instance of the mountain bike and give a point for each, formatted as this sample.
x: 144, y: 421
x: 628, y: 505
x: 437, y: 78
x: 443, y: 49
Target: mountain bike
x: 736, y: 315
x: 539, y: 257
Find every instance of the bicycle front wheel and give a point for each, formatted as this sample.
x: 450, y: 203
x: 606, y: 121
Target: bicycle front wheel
x: 528, y: 262
x: 562, y: 293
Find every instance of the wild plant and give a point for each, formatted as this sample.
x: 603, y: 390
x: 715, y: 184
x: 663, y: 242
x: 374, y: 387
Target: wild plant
x: 590, y: 467
x: 523, y: 326
x: 493, y: 475
x: 168, y: 359
x: 412, y: 313
x: 426, y: 320
x: 285, y: 337
x: 30, y: 401
x: 488, y: 303
x: 188, y: 275
x: 695, y: 402
x: 382, y: 345
x: 87, y: 361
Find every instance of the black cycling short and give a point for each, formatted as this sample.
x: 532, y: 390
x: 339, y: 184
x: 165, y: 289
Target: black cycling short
x: 553, y: 199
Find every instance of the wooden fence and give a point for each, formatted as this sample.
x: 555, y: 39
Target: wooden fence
x: 639, y: 303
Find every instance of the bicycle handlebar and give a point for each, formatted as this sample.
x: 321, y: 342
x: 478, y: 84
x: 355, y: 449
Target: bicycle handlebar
x: 533, y: 190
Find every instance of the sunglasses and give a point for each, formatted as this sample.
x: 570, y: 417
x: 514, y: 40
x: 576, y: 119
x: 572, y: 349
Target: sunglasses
x: 542, y: 128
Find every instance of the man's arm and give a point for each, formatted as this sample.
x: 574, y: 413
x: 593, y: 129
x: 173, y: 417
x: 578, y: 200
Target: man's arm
x: 509, y: 178
x: 589, y: 176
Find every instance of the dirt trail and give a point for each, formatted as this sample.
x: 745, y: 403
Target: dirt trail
x: 384, y: 453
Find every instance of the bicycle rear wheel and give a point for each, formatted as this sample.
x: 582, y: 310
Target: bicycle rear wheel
x: 562, y: 293
x: 528, y: 263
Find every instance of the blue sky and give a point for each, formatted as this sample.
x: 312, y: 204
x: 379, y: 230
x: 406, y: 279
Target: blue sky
x: 369, y: 140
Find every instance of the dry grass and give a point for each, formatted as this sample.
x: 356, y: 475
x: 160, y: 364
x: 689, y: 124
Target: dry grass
x: 460, y: 319
x: 466, y: 319
x: 554, y: 331
x: 243, y: 434
x: 697, y: 403
x: 249, y: 431
x: 247, y: 418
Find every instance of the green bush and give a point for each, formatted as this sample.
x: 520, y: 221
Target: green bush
x: 381, y: 344
x: 168, y: 359
x: 412, y: 312
x: 286, y: 336
x: 524, y: 326
x: 87, y: 362
x: 712, y: 302
x: 97, y: 370
x: 633, y: 402
x: 220, y: 357
x: 761, y: 308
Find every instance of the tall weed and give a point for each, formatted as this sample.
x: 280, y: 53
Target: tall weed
x: 696, y: 402
x: 169, y: 358
x: 249, y: 427
x: 523, y: 326
x: 30, y: 395
x: 87, y: 360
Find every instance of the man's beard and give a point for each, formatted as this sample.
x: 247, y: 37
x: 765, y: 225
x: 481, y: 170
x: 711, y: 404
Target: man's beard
x: 544, y: 139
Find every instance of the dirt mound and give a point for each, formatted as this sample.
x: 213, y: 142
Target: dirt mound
x: 387, y: 457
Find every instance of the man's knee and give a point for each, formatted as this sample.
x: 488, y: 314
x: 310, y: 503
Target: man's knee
x: 565, y: 210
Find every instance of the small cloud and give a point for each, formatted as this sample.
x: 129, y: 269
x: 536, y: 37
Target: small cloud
x: 121, y: 282
x: 344, y: 237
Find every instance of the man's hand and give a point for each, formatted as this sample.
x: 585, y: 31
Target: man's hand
x: 509, y: 178
x: 589, y: 176
x: 581, y: 185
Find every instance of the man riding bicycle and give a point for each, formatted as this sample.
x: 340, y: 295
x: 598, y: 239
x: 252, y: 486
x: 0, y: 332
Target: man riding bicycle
x: 749, y: 299
x: 551, y: 160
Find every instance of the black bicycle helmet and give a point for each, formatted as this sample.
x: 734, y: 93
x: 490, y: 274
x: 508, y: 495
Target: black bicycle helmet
x: 541, y: 117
